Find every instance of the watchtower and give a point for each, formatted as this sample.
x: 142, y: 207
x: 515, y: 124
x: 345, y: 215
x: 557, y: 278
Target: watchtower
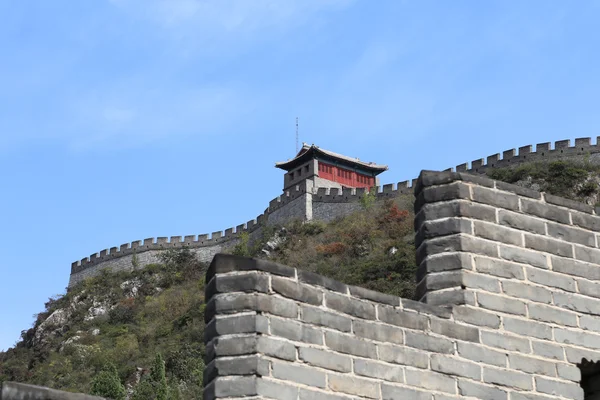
x: 326, y: 169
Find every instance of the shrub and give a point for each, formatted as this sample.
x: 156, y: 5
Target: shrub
x: 107, y: 384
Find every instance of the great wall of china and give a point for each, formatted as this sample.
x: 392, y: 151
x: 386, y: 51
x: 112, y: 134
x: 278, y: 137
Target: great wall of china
x: 306, y: 203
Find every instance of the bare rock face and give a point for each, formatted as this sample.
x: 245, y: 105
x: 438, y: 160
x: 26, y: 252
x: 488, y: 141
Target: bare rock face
x: 275, y: 242
x: 96, y: 310
x: 54, y: 325
x: 131, y: 287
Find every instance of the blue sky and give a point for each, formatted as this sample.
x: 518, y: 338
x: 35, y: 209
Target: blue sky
x: 127, y: 119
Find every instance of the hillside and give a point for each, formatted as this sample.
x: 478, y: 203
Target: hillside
x: 126, y: 319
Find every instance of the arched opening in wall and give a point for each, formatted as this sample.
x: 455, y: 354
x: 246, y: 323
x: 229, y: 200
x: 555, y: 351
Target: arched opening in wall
x: 590, y: 379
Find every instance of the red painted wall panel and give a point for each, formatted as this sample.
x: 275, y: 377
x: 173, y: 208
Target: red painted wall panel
x: 345, y: 177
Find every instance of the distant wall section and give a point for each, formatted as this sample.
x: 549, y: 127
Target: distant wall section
x: 308, y: 199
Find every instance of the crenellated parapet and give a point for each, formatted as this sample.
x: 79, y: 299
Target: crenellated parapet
x: 166, y: 243
x: 306, y: 202
x: 543, y: 151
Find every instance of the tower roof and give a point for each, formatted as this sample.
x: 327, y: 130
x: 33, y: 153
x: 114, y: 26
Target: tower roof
x: 308, y: 152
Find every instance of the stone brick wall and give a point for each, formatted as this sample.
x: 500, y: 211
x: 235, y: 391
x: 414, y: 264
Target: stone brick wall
x: 308, y: 197
x: 19, y: 391
x: 510, y: 306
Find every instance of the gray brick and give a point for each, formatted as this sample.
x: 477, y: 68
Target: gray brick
x: 374, y: 296
x: 403, y: 356
x: 455, y: 296
x: 423, y: 308
x: 389, y: 392
x: 296, y: 291
x: 586, y: 254
x: 551, y: 279
x: 590, y: 323
x: 480, y: 281
x: 325, y: 359
x: 236, y: 386
x: 575, y: 355
x: 438, y: 245
x: 548, y: 245
x: 548, y: 350
x: 230, y: 324
x: 476, y: 245
x: 520, y: 190
x: 521, y: 222
x: 588, y: 288
x: 404, y: 319
x: 454, y: 330
x: 455, y: 366
x: 378, y: 370
x: 498, y: 233
x: 503, y: 304
x: 319, y: 316
x: 229, y: 303
x: 481, y: 354
x: 571, y: 235
x: 577, y: 268
x: 318, y: 280
x: 528, y: 328
x: 306, y: 394
x: 430, y: 343
x: 528, y: 396
x: 558, y: 388
x: 502, y: 341
x: 441, y: 280
x: 476, y: 316
x: 297, y: 331
x: 523, y: 256
x: 350, y: 305
x: 530, y: 292
x: 430, y: 212
x: 546, y: 211
x: 495, y: 198
x: 578, y: 338
x: 532, y: 365
x: 507, y: 378
x: 276, y: 390
x: 568, y: 203
x: 424, y: 379
x: 273, y: 305
x: 433, y: 194
x: 496, y: 267
x: 242, y: 365
x: 568, y: 372
x: 576, y: 302
x: 242, y: 282
x: 234, y: 345
x: 349, y: 345
x: 555, y: 315
x: 442, y: 227
x: 444, y: 262
x: 353, y: 385
x: 299, y: 374
x: 586, y: 221
x: 479, y: 391
x: 276, y: 348
x: 379, y: 332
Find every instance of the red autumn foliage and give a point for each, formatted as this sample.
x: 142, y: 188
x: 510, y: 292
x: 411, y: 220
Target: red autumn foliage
x: 331, y: 248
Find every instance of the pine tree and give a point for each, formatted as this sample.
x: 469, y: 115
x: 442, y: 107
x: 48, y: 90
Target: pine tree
x: 107, y: 384
x: 159, y: 378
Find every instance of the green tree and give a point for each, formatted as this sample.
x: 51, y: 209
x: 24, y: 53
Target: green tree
x: 144, y: 391
x: 159, y: 378
x: 107, y: 384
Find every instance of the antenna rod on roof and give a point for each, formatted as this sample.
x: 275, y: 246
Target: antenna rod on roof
x: 297, y: 136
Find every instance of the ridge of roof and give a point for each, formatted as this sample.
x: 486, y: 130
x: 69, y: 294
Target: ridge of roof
x: 306, y: 147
